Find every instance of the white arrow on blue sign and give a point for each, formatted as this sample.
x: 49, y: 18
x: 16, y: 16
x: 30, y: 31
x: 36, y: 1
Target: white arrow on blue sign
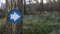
x: 15, y: 16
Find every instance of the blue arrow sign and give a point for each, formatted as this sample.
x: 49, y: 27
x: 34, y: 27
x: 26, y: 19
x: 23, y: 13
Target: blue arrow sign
x: 15, y: 16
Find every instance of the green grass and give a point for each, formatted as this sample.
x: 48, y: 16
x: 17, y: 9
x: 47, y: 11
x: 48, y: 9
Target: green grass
x: 37, y: 24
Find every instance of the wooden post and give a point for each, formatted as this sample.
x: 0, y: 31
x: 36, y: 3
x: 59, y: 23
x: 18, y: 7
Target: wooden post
x: 14, y: 28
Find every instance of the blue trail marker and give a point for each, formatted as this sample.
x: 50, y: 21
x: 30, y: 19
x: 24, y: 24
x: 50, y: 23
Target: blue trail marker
x: 15, y: 16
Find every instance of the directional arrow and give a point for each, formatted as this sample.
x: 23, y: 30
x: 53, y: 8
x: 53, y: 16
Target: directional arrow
x: 14, y: 16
